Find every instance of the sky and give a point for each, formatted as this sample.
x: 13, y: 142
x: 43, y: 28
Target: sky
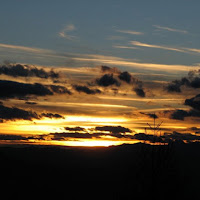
x: 94, y: 73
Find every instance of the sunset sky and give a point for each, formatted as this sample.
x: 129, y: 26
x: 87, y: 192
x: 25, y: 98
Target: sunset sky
x: 94, y: 73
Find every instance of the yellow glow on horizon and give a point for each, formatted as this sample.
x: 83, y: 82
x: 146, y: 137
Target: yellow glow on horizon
x: 89, y: 142
x: 92, y: 143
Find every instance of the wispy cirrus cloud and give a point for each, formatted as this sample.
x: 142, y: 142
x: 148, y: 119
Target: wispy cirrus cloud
x: 170, y: 29
x: 96, y: 58
x: 140, y: 44
x: 124, y: 47
x: 65, y: 33
x: 192, y: 50
x: 24, y: 48
x: 109, y: 60
x: 169, y: 48
x: 131, y: 32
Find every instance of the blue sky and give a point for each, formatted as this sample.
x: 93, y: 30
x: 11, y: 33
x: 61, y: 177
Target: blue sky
x: 109, y: 28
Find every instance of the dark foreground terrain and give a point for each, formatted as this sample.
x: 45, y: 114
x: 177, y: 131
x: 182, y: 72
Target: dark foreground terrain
x: 123, y: 172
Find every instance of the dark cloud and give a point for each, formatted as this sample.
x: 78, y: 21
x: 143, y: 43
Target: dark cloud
x: 148, y: 137
x: 113, y: 76
x: 13, y: 113
x: 125, y: 76
x: 151, y: 115
x: 105, y: 68
x: 12, y: 137
x: 194, y: 102
x: 192, y: 80
x: 64, y: 136
x: 12, y: 89
x: 140, y: 92
x: 194, y: 113
x: 86, y: 89
x: 194, y: 129
x: 82, y: 133
x: 52, y: 115
x: 181, y: 136
x: 179, y: 114
x: 167, y: 137
x: 174, y: 86
x: 176, y: 114
x: 107, y: 80
x: 113, y: 129
x: 59, y: 89
x: 16, y: 70
x: 30, y: 103
x: 76, y: 135
x: 75, y: 128
x: 112, y: 70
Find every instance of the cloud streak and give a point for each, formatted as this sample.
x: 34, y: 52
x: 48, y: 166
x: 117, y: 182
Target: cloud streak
x: 97, y: 59
x: 24, y: 48
x: 131, y: 32
x: 180, y: 49
x: 109, y: 60
x: 170, y: 29
x: 124, y: 47
x: 140, y: 44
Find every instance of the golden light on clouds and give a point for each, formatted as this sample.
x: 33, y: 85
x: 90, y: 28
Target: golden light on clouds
x: 90, y: 97
x: 26, y: 127
x: 98, y: 120
x: 44, y: 126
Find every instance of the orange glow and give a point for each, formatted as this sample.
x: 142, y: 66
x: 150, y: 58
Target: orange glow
x: 87, y: 142
x: 46, y: 125
x: 95, y: 119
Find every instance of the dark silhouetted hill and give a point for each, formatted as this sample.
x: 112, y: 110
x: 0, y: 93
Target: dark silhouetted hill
x: 121, y: 172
